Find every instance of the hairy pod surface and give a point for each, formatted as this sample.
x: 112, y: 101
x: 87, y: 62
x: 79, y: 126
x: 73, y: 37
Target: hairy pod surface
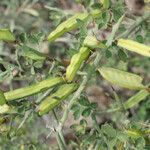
x: 33, y: 89
x: 56, y: 98
x: 134, y: 47
x: 76, y: 62
x: 122, y: 78
x: 6, y: 35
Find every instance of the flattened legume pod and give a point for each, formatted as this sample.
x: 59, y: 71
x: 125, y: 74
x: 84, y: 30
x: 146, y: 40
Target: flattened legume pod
x: 76, y: 62
x: 33, y: 89
x: 56, y: 98
x: 135, y: 99
x: 70, y: 24
x: 92, y: 43
x: 67, y: 26
x: 6, y: 35
x: 134, y: 47
x: 122, y: 78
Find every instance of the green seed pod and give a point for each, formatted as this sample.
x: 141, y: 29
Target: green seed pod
x: 92, y: 43
x: 70, y: 24
x: 2, y: 98
x: 67, y: 26
x: 6, y: 35
x: 76, y: 62
x: 122, y: 78
x: 32, y: 53
x: 52, y: 101
x: 33, y: 89
x: 135, y: 99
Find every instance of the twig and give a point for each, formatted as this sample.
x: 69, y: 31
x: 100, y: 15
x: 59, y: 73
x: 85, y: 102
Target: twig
x: 59, y: 135
x: 134, y: 26
x: 76, y: 95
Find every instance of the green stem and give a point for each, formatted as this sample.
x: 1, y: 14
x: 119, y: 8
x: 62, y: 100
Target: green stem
x: 134, y: 26
x: 33, y: 89
x: 76, y: 95
x: 59, y: 134
x: 59, y: 141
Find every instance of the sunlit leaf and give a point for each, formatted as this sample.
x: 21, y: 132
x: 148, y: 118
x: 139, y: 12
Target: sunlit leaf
x: 2, y: 98
x: 6, y: 35
x: 106, y: 3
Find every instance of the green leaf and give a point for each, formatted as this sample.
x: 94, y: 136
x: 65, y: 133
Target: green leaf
x: 75, y: 107
x: 77, y: 114
x: 93, y: 105
x: 6, y: 35
x: 83, y: 122
x: 123, y: 137
x: 140, y: 38
x: 122, y: 55
x: 122, y: 78
x: 84, y: 102
x: 32, y: 53
x: 2, y: 98
x: 109, y: 130
x: 86, y: 112
x: 23, y: 37
x: 106, y: 3
x: 108, y: 54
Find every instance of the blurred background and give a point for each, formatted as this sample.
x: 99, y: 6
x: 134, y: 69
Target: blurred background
x: 31, y: 21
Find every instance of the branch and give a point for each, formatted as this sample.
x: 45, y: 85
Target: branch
x: 72, y: 101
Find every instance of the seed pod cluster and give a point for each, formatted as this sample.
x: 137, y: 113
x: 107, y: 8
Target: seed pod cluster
x: 55, y: 99
x: 76, y: 62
